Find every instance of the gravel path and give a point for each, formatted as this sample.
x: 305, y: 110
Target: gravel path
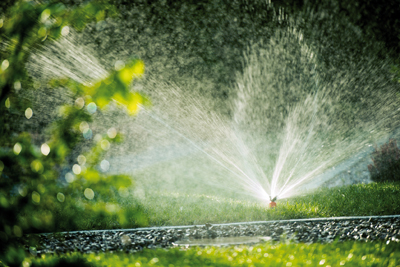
x: 307, y: 230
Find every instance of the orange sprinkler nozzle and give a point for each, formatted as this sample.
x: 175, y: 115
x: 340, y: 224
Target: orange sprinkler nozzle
x: 272, y: 204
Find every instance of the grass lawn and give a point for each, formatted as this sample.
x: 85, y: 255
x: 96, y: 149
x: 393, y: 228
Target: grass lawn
x: 355, y: 200
x: 267, y: 254
x: 162, y: 209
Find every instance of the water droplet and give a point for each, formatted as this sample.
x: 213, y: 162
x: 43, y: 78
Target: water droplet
x: 104, y: 165
x: 105, y: 145
x: 4, y: 65
x: 69, y: 177
x: 91, y: 108
x: 119, y: 65
x: 60, y: 197
x: 22, y: 190
x: 126, y: 240
x: 79, y: 103
x: 35, y: 197
x: 76, y: 169
x: 36, y: 166
x: 89, y: 194
x: 112, y: 133
x: 123, y: 192
x: 87, y: 134
x: 28, y: 113
x: 7, y: 103
x: 350, y: 256
x: 81, y: 159
x: 111, y: 207
x: 83, y: 126
x: 17, y: 85
x: 17, y: 148
x: 45, y: 15
x: 42, y: 32
x: 65, y: 31
x: 41, y: 188
x: 45, y: 149
x: 17, y: 231
x: 97, y: 137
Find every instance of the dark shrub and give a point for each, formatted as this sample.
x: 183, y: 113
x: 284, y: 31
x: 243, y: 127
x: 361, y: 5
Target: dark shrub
x: 386, y: 163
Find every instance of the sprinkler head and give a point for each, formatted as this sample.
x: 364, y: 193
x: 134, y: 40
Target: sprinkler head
x: 272, y: 204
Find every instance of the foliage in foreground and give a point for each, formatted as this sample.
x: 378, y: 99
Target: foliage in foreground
x: 40, y: 174
x: 386, y: 163
x: 271, y: 254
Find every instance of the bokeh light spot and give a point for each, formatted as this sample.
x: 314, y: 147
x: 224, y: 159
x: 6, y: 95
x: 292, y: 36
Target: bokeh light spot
x: 7, y: 103
x: 123, y: 192
x: 28, y: 113
x: 112, y: 133
x: 17, y: 148
x: 41, y: 188
x: 126, y: 240
x: 45, y: 149
x: 1, y: 166
x: 17, y: 231
x: 112, y: 208
x: 76, y: 169
x: 83, y: 126
x: 89, y: 194
x: 65, y: 31
x: 4, y: 65
x: 36, y: 166
x: 69, y: 177
x: 138, y: 68
x: 98, y: 138
x: 22, y: 190
x: 42, y: 32
x: 60, y: 197
x: 91, y: 107
x: 35, y: 197
x: 154, y: 261
x: 119, y: 65
x: 104, y: 165
x: 87, y: 134
x: 105, y: 145
x: 45, y: 15
x: 79, y: 103
x: 81, y: 159
x: 17, y: 85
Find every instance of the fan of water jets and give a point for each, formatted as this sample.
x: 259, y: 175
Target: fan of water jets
x: 294, y: 117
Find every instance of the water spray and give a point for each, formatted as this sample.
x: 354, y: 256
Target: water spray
x: 272, y: 203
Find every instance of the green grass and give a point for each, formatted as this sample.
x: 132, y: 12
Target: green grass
x: 267, y: 254
x: 354, y: 200
x: 163, y: 208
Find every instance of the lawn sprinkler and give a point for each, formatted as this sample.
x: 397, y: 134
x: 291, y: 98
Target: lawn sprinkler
x: 272, y: 203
